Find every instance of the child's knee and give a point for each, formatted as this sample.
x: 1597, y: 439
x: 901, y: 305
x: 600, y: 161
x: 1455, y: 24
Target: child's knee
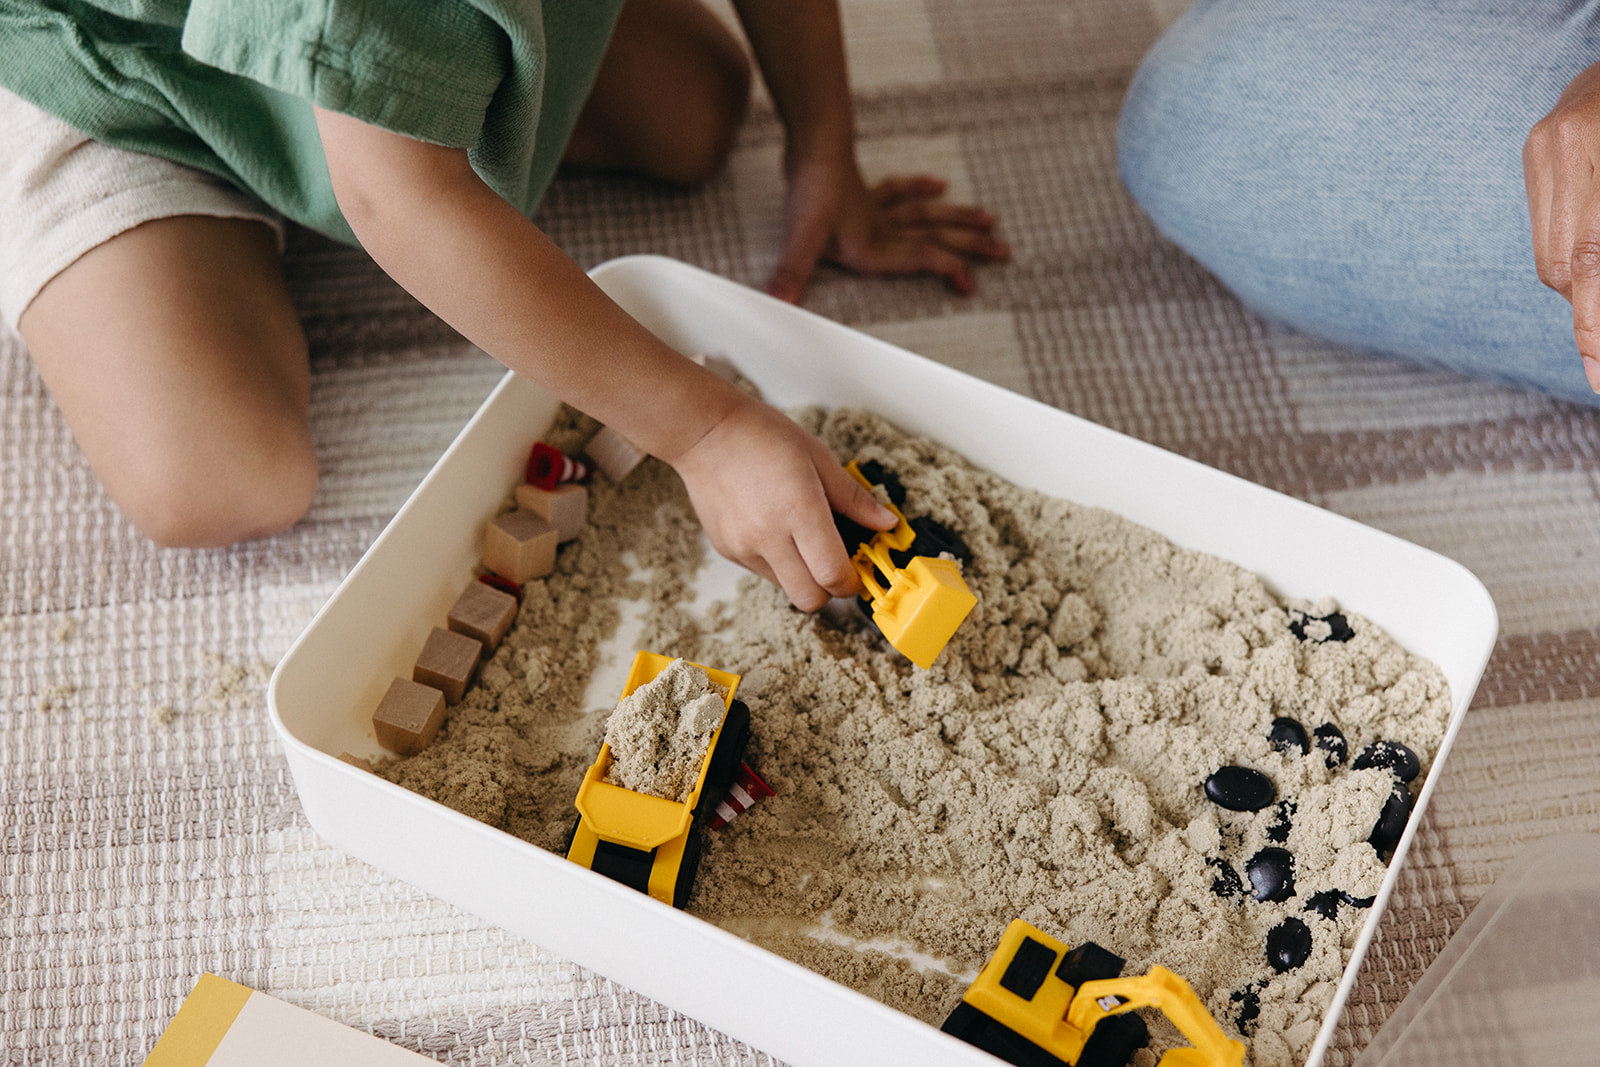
x: 711, y: 113
x: 246, y: 490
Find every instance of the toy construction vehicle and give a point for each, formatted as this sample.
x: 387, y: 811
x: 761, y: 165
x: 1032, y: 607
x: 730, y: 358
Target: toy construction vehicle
x: 645, y: 841
x: 914, y: 595
x: 1038, y: 1004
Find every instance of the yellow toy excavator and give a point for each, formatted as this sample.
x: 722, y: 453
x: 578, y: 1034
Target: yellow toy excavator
x: 919, y: 602
x: 1037, y: 1003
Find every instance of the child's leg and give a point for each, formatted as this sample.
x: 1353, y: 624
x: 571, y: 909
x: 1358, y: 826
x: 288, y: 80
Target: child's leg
x: 669, y: 96
x: 178, y: 361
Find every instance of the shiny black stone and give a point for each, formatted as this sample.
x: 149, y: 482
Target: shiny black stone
x: 1271, y: 874
x: 1338, y: 627
x: 1391, y: 755
x: 1227, y: 882
x: 1287, y: 734
x: 1331, y: 740
x: 1249, y: 999
x: 1240, y: 789
x: 1278, y: 829
x: 1325, y: 903
x: 1288, y: 945
x: 1392, y: 819
x: 1356, y: 902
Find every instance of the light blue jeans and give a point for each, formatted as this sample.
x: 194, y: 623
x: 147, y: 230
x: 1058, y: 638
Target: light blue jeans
x: 1353, y: 169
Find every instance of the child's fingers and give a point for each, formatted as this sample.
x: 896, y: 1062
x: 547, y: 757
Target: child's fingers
x: 793, y: 573
x: 850, y: 499
x: 896, y: 188
x: 808, y: 238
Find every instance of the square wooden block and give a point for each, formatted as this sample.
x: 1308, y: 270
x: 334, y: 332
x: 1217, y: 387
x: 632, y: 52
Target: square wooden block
x: 408, y: 717
x: 520, y: 545
x: 447, y: 661
x: 613, y: 453
x: 566, y: 507
x: 484, y: 613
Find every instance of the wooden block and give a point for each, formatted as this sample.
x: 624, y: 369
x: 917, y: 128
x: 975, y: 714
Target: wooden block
x: 483, y: 612
x: 613, y: 453
x: 566, y: 507
x: 357, y: 761
x: 520, y: 545
x: 447, y: 661
x: 408, y: 717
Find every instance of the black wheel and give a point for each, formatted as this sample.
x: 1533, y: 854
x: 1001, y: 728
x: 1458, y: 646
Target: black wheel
x: 687, y: 870
x: 630, y: 866
x: 933, y: 539
x: 725, y: 757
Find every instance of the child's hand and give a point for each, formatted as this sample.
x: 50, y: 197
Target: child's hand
x: 765, y: 491
x: 901, y: 225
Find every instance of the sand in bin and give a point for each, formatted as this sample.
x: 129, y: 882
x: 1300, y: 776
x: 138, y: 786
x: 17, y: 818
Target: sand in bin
x: 1049, y: 766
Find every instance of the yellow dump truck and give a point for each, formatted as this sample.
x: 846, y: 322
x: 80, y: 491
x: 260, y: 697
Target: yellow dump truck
x: 914, y: 595
x: 1037, y: 1003
x: 645, y: 841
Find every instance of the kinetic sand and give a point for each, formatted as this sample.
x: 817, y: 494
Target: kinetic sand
x: 1049, y: 766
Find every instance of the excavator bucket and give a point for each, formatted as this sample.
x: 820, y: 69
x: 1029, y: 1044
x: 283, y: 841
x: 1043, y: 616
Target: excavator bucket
x: 922, y: 608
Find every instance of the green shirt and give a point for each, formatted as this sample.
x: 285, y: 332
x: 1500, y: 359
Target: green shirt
x: 227, y: 86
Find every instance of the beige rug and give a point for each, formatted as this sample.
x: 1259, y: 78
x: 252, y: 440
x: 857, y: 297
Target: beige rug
x: 148, y: 828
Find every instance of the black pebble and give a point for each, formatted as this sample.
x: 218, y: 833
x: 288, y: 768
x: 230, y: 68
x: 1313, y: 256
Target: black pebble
x: 1356, y: 902
x: 1392, y: 820
x: 1338, y: 627
x: 1288, y: 945
x: 1240, y: 789
x: 1227, y: 882
x: 1391, y: 755
x: 1325, y: 903
x: 1250, y: 1000
x: 1331, y: 740
x: 1278, y: 829
x: 1271, y: 874
x: 1287, y: 733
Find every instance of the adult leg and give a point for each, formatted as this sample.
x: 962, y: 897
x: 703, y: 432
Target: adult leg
x: 176, y: 356
x: 1352, y: 169
x: 669, y: 95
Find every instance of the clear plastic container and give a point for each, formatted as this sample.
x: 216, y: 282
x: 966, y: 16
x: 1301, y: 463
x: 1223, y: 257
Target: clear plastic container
x: 1519, y: 983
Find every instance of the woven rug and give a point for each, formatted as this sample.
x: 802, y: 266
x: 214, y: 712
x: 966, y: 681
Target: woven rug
x: 148, y: 827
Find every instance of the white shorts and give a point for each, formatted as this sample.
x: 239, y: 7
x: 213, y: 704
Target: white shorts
x: 62, y: 194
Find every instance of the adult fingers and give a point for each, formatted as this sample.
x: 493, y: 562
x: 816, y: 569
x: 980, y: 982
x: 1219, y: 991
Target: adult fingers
x: 1584, y: 272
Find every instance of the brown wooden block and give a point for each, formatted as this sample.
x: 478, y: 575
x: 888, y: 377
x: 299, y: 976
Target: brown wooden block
x: 483, y: 612
x: 566, y: 507
x: 520, y: 545
x: 613, y: 453
x: 408, y: 717
x: 356, y: 761
x: 447, y: 661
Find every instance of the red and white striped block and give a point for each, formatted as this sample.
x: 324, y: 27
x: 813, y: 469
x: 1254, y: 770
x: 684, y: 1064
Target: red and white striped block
x: 747, y: 788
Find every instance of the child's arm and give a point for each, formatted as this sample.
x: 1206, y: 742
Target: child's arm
x: 899, y: 226
x: 763, y: 487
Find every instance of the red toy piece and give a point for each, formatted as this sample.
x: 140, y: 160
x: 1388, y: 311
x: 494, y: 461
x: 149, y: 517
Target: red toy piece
x: 548, y: 467
x: 747, y: 788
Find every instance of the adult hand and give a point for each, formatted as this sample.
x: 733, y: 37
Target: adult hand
x: 765, y: 491
x: 1561, y: 168
x: 901, y: 225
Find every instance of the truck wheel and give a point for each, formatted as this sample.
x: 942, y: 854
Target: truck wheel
x: 725, y: 758
x: 933, y: 539
x: 687, y: 870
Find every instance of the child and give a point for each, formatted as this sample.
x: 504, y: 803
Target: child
x: 154, y: 306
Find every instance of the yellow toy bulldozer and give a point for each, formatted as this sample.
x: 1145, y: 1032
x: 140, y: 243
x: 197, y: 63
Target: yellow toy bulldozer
x: 918, y: 603
x: 1037, y: 1003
